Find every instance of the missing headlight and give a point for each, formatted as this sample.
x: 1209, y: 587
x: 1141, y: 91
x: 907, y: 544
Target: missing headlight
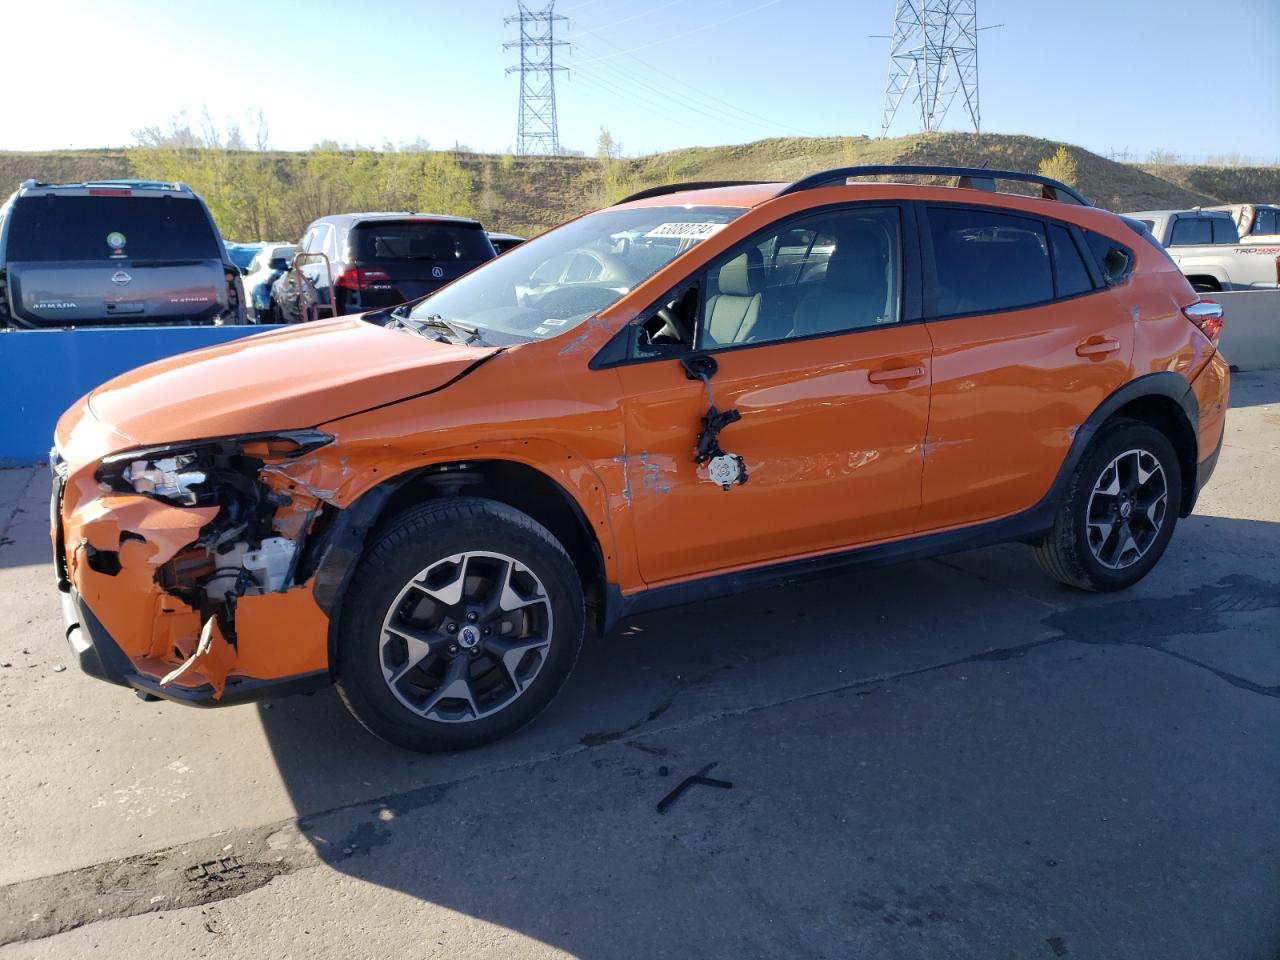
x: 169, y: 478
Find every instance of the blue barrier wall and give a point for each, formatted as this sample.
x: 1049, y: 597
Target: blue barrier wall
x: 43, y: 372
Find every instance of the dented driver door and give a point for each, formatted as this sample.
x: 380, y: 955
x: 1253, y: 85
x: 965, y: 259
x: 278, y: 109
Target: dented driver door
x: 805, y: 329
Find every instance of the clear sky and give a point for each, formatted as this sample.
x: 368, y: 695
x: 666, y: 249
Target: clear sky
x: 1195, y: 78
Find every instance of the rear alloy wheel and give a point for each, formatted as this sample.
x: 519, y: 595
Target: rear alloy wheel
x: 1118, y: 512
x: 463, y: 621
x: 1127, y: 509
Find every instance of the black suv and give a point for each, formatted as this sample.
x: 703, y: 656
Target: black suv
x: 120, y: 252
x: 366, y: 261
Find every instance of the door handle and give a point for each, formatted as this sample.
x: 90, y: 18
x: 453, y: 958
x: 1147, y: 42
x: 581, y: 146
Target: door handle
x: 894, y: 374
x: 1099, y: 347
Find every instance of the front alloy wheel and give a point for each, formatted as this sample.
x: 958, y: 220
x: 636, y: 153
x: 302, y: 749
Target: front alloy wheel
x: 466, y: 636
x: 463, y: 620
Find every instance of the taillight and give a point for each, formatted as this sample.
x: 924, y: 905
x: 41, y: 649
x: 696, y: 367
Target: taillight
x: 1207, y: 315
x: 112, y: 192
x: 362, y: 278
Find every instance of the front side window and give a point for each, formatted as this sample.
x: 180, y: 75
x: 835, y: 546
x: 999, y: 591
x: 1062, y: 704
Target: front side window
x: 828, y: 273
x: 548, y: 285
x: 1191, y: 231
x: 987, y: 261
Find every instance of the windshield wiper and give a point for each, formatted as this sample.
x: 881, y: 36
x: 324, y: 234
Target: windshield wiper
x: 460, y: 331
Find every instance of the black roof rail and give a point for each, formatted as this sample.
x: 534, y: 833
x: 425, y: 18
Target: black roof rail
x: 977, y: 178
x: 692, y: 185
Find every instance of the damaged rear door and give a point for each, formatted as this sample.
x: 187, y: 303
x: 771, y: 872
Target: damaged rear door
x: 801, y: 346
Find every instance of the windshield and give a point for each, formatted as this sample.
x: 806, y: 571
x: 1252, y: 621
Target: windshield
x: 549, y: 285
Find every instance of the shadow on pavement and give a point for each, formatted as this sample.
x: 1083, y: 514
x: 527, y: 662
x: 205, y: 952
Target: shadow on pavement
x: 951, y: 758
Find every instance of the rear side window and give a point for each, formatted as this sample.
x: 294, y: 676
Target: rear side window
x: 1224, y: 230
x: 988, y: 261
x: 1190, y: 231
x: 46, y: 228
x: 1072, y: 274
x: 410, y: 240
x: 1114, y: 260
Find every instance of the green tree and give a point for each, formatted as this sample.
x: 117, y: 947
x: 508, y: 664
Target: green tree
x: 616, y: 178
x: 1061, y: 166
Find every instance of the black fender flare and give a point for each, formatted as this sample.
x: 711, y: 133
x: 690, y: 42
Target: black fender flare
x: 1167, y: 384
x: 332, y: 556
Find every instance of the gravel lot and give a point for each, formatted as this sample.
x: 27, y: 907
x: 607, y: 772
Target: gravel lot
x: 952, y: 758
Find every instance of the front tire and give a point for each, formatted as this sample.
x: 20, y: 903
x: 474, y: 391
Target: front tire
x: 463, y: 621
x: 1118, y: 511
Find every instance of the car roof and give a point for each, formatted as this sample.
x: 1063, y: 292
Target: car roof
x: 354, y: 218
x: 1194, y: 212
x: 85, y: 187
x: 735, y: 195
x: 754, y: 194
x: 739, y: 193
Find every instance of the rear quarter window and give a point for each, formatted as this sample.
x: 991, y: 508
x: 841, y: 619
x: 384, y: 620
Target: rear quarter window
x: 1114, y: 260
x: 50, y: 228
x: 409, y: 240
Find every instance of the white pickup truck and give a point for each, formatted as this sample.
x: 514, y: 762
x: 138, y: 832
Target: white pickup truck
x: 1205, y: 244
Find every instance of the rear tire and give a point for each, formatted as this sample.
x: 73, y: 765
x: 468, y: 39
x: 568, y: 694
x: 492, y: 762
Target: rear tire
x: 462, y: 623
x: 1118, y: 512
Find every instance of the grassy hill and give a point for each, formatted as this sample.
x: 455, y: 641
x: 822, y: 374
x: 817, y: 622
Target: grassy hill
x: 527, y: 195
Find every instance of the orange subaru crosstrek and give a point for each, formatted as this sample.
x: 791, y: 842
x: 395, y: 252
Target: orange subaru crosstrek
x: 702, y: 389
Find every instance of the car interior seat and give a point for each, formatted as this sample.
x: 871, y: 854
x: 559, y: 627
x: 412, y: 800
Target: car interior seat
x: 733, y: 310
x: 856, y: 291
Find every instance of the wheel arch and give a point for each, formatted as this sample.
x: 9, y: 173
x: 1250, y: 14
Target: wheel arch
x: 331, y: 559
x: 1164, y: 400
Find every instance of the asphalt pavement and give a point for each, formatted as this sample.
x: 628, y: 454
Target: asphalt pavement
x: 953, y: 758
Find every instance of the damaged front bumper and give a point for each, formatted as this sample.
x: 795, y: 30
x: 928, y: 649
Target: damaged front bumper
x: 203, y: 601
x: 101, y: 657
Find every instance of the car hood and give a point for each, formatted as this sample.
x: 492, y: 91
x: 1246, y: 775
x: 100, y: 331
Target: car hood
x: 283, y: 379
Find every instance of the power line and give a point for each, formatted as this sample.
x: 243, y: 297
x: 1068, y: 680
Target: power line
x: 688, y: 96
x: 685, y: 33
x: 537, y: 129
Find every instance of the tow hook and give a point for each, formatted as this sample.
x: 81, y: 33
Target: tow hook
x: 725, y: 469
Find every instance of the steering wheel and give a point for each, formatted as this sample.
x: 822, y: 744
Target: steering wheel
x: 675, y: 324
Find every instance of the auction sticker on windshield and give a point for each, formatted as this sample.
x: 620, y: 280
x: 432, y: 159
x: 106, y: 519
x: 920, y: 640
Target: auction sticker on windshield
x: 686, y: 231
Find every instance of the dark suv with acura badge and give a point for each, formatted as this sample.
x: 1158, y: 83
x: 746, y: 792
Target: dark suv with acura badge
x: 113, y: 253
x: 366, y: 261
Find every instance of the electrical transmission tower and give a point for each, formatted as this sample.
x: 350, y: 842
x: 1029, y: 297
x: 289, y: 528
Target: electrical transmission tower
x: 538, y: 131
x: 934, y: 54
